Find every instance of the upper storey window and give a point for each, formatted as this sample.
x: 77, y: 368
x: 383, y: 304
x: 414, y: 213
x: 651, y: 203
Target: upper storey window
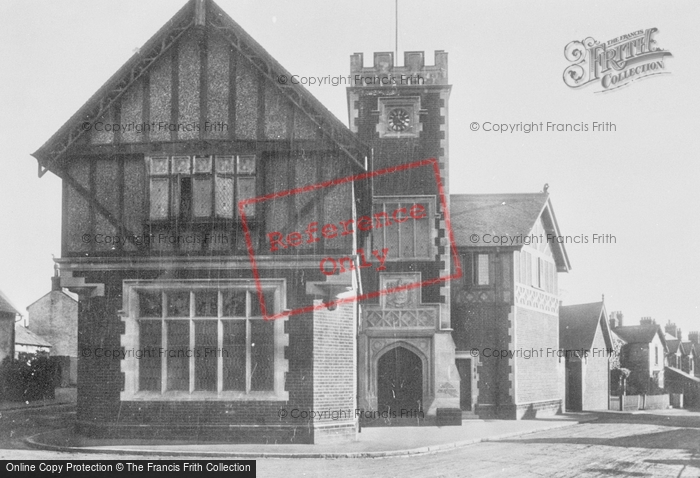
x: 403, y: 226
x: 191, y: 188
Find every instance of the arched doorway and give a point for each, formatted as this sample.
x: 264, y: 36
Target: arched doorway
x: 400, y: 383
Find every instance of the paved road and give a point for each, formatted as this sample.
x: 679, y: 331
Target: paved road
x: 631, y: 446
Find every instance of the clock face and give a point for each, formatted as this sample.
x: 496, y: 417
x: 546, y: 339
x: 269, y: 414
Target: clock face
x: 399, y: 120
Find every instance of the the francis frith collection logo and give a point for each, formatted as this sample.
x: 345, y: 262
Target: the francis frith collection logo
x: 615, y: 63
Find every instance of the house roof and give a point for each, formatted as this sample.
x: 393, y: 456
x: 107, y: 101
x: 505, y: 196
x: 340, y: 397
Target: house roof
x: 24, y: 336
x: 51, y: 292
x: 688, y: 347
x: 6, y: 306
x: 673, y: 345
x: 513, y: 215
x: 196, y: 14
x: 579, y: 323
x: 640, y: 334
x: 682, y: 374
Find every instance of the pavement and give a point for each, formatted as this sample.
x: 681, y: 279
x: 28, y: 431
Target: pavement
x: 373, y: 442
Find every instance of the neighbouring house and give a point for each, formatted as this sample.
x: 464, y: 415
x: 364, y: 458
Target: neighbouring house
x: 505, y: 308
x: 675, y: 351
x: 8, y: 316
x: 681, y: 382
x: 680, y: 374
x: 196, y: 236
x: 689, y: 358
x: 694, y: 338
x: 28, y: 342
x: 644, y: 354
x: 585, y: 339
x: 54, y: 317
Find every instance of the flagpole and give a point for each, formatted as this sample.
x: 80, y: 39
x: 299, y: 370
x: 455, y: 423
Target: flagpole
x: 396, y: 43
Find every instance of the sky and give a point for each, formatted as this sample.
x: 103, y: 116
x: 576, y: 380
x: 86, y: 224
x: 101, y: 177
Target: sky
x: 637, y: 183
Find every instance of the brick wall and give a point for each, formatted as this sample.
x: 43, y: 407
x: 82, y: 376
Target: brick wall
x: 101, y: 413
x: 537, y: 379
x: 99, y: 378
x: 334, y: 373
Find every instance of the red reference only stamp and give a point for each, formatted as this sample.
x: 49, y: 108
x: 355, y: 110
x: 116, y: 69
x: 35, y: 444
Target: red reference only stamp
x: 395, y: 217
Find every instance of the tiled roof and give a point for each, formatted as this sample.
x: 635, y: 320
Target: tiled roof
x: 6, y: 305
x: 475, y: 217
x: 578, y: 324
x: 497, y: 214
x: 673, y: 345
x: 24, y: 336
x: 682, y: 374
x: 639, y: 334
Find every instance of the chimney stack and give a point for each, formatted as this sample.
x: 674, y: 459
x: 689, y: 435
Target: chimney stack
x: 616, y: 319
x: 56, y: 279
x: 694, y: 337
x: 671, y: 329
x: 647, y: 321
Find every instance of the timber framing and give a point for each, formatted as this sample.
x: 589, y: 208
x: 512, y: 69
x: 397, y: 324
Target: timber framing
x: 197, y: 14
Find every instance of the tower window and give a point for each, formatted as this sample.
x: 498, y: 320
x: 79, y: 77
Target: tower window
x: 403, y: 226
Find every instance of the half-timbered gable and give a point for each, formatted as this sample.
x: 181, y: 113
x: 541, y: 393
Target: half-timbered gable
x: 167, y: 255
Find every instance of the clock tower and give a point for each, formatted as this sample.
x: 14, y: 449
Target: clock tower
x: 406, y: 355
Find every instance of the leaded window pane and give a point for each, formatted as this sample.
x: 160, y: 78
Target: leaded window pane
x: 261, y: 355
x: 246, y: 190
x: 224, y: 196
x: 224, y: 164
x: 255, y: 306
x: 202, y: 164
x: 246, y: 165
x: 205, y: 354
x: 202, y: 197
x: 233, y: 355
x: 178, y: 304
x: 177, y: 355
x: 150, y: 304
x: 181, y: 165
x: 205, y: 304
x: 234, y: 303
x: 159, y: 198
x: 159, y: 165
x: 150, y: 342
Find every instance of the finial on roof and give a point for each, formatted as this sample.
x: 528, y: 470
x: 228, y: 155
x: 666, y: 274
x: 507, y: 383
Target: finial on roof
x: 545, y: 188
x: 603, y: 298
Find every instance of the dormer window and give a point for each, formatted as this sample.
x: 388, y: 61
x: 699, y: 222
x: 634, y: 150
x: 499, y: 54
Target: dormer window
x: 200, y: 187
